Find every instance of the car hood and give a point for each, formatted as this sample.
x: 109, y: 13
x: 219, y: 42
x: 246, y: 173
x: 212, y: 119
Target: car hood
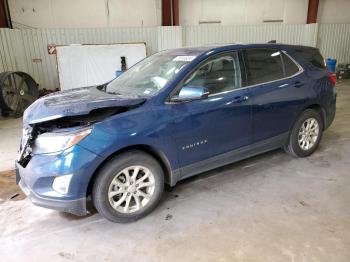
x: 75, y: 102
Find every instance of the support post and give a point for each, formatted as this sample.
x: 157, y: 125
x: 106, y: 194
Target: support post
x: 170, y: 12
x: 312, y: 11
x: 5, y: 19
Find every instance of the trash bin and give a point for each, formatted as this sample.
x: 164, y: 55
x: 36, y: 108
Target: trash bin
x: 118, y: 73
x: 331, y: 64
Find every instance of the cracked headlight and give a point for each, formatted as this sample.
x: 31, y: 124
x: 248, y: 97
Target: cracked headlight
x: 58, y: 141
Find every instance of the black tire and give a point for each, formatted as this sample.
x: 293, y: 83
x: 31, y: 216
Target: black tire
x: 108, y: 173
x: 293, y: 147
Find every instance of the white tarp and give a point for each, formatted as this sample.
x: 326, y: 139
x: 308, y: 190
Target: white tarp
x: 88, y: 65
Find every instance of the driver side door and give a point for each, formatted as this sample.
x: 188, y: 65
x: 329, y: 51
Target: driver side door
x: 206, y: 129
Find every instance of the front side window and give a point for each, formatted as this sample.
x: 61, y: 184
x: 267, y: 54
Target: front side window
x: 263, y: 65
x: 219, y: 74
x: 149, y: 76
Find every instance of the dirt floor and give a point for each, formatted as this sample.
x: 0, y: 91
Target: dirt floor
x: 272, y: 207
x: 8, y: 188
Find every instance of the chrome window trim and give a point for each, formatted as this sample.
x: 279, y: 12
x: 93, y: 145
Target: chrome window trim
x: 198, y: 66
x: 301, y: 70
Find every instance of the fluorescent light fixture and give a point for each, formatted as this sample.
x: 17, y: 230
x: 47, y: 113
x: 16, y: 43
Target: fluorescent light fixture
x: 276, y: 53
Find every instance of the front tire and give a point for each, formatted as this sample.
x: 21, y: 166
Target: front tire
x: 306, y: 134
x: 128, y: 187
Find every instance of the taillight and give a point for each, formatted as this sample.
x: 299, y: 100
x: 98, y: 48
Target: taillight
x: 333, y: 78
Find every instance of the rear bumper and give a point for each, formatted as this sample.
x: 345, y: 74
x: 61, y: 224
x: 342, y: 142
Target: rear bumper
x: 76, y: 206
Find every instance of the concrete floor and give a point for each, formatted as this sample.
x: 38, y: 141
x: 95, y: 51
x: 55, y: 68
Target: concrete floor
x: 268, y: 208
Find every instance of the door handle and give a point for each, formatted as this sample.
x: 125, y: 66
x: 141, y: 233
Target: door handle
x: 240, y: 99
x: 298, y: 84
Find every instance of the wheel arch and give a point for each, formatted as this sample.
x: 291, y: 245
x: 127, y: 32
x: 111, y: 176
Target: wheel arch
x: 316, y: 107
x: 290, y: 146
x: 320, y: 110
x: 158, y: 155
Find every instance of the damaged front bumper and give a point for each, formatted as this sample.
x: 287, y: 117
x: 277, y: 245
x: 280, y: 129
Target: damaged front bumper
x: 37, y: 177
x: 76, y: 206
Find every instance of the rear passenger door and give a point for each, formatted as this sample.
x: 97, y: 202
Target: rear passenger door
x: 276, y: 92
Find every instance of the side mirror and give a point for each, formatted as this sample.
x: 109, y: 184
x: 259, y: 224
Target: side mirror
x: 190, y: 93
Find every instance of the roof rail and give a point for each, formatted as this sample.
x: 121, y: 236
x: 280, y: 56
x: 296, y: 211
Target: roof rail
x: 272, y: 42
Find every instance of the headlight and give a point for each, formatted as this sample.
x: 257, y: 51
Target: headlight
x: 56, y: 142
x: 61, y: 184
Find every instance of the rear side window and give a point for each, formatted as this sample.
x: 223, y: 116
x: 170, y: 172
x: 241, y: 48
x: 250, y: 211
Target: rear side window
x: 263, y: 65
x: 289, y: 66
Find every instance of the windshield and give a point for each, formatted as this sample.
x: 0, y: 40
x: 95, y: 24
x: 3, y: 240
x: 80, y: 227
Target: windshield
x: 148, y: 76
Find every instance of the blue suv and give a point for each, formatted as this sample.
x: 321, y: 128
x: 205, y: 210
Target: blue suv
x: 173, y: 115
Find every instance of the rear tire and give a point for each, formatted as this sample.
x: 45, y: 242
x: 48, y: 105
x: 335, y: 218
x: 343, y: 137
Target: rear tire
x: 128, y: 187
x: 306, y: 134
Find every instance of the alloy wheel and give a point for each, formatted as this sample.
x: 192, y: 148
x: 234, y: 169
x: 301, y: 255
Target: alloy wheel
x: 131, y: 189
x: 308, y: 134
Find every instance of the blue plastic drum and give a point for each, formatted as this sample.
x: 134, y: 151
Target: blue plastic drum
x: 331, y: 64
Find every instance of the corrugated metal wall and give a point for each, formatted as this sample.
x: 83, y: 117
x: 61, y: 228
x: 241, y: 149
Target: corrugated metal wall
x: 334, y: 41
x: 26, y: 49
x: 290, y: 34
x: 169, y: 37
x: 7, y: 50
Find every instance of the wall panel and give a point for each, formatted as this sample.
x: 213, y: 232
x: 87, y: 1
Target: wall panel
x: 26, y: 49
x: 169, y: 37
x: 289, y: 34
x: 334, y: 41
x: 18, y: 47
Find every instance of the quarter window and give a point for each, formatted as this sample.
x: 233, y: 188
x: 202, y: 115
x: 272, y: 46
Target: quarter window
x: 317, y: 60
x: 311, y: 55
x: 263, y: 65
x: 219, y: 74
